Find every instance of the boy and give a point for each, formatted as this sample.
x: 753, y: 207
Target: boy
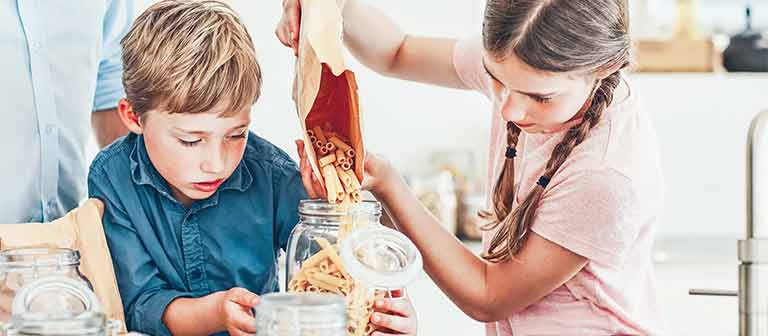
x: 197, y: 207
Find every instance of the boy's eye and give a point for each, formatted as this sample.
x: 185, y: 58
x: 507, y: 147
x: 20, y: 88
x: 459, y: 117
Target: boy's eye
x: 239, y: 136
x: 189, y: 143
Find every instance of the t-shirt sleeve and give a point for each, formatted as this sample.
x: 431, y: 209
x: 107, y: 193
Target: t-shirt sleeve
x: 468, y: 62
x: 591, y: 213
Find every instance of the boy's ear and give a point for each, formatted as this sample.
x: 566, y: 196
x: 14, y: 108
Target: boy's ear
x: 129, y: 118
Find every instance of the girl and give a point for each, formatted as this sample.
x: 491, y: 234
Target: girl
x: 578, y: 188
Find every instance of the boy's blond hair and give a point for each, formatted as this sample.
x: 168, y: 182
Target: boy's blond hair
x: 183, y: 56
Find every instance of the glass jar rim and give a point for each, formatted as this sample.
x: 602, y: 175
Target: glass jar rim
x: 85, y: 323
x: 321, y: 208
x: 39, y: 256
x: 294, y: 312
x: 393, y: 243
x: 43, y: 286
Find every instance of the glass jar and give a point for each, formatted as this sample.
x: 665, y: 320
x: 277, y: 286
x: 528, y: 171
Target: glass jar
x: 320, y: 219
x: 301, y: 314
x: 21, y: 266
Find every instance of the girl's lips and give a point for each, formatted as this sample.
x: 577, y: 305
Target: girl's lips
x: 208, y: 186
x: 520, y: 125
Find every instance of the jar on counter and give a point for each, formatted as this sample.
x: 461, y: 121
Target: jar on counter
x: 59, y: 306
x: 301, y: 314
x: 22, y: 266
x: 319, y: 219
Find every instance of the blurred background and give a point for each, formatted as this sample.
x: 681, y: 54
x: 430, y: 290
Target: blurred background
x: 698, y: 70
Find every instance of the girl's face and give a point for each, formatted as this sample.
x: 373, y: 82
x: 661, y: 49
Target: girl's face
x: 195, y: 153
x: 537, y: 101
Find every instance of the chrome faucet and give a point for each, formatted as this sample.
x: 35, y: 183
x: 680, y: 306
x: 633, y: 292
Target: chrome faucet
x: 753, y: 250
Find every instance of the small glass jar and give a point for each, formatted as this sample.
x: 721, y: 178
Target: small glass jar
x: 320, y: 219
x: 301, y: 314
x: 22, y: 266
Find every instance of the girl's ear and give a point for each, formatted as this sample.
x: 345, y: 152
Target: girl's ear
x: 129, y: 118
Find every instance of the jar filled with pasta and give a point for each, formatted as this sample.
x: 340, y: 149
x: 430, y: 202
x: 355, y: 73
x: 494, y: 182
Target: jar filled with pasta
x: 313, y: 261
x: 22, y: 266
x: 301, y: 314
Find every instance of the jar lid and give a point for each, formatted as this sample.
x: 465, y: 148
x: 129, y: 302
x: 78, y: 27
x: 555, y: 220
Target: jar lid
x: 37, y: 257
x: 321, y: 207
x: 85, y: 323
x: 294, y: 312
x: 381, y: 257
x: 55, y: 296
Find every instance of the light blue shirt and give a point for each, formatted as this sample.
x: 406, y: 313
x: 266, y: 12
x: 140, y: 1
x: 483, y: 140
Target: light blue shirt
x: 59, y: 61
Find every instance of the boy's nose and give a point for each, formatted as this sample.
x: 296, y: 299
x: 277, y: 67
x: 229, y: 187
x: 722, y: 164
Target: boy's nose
x: 214, y: 162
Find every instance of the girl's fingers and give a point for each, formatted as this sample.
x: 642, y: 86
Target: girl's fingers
x: 400, y: 306
x: 398, y: 324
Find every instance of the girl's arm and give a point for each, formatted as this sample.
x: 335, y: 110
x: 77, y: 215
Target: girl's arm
x: 485, y: 291
x: 379, y: 43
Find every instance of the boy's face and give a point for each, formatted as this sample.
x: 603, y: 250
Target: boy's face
x: 195, y: 153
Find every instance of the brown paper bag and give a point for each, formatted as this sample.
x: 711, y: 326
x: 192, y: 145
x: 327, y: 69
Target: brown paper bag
x: 81, y: 229
x: 325, y: 90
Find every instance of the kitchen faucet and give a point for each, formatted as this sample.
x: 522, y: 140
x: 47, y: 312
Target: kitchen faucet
x: 753, y: 250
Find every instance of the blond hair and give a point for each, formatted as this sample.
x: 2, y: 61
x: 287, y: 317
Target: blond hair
x: 185, y: 56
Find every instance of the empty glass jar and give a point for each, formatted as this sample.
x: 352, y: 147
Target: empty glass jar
x: 301, y: 314
x: 22, y: 266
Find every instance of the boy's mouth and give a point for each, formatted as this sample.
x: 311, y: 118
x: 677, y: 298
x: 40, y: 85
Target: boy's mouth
x: 209, y: 186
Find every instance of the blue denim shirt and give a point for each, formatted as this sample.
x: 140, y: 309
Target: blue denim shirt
x: 162, y: 251
x: 61, y: 60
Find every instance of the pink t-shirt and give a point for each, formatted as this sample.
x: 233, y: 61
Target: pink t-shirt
x: 602, y: 204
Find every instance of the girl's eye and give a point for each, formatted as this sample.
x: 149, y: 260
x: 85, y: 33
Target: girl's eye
x: 189, y: 143
x: 541, y: 100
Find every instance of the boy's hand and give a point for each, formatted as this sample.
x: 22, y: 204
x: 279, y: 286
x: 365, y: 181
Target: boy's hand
x: 287, y: 30
x: 235, y: 307
x: 315, y: 188
x: 395, y: 316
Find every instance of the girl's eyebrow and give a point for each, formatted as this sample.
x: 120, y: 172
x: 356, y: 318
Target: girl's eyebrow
x: 530, y: 94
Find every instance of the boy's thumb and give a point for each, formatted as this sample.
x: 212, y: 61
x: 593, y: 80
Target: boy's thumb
x: 245, y: 298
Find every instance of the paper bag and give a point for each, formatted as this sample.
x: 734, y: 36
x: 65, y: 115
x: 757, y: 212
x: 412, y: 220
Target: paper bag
x: 81, y: 229
x: 325, y: 90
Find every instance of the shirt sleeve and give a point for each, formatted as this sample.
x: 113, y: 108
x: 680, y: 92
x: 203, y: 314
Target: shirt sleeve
x: 593, y: 214
x: 289, y: 191
x: 117, y: 21
x: 468, y: 62
x: 144, y: 293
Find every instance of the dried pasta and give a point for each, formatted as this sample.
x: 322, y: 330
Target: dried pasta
x: 342, y: 185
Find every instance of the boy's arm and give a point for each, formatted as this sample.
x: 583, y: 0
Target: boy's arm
x: 289, y: 190
x: 144, y: 293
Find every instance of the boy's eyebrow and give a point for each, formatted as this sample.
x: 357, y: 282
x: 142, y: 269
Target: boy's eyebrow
x: 530, y: 94
x: 204, y: 132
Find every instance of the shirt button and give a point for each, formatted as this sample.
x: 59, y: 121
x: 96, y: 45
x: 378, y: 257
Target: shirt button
x: 35, y: 46
x: 49, y: 129
x: 196, y: 274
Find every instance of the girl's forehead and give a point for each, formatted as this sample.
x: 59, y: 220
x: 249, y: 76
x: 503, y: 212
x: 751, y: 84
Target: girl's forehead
x: 516, y: 74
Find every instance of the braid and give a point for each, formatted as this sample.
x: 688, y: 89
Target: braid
x: 515, y: 227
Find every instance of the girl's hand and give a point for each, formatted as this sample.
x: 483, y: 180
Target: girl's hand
x: 313, y: 186
x: 379, y: 174
x: 287, y: 30
x: 394, y: 316
x: 235, y: 307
